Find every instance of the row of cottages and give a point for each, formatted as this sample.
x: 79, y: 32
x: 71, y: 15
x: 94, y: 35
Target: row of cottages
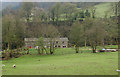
x: 58, y: 42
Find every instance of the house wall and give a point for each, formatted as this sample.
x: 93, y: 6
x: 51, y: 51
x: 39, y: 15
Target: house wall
x: 57, y: 43
x: 61, y: 44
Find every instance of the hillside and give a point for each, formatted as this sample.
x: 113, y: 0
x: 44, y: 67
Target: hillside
x: 102, y: 8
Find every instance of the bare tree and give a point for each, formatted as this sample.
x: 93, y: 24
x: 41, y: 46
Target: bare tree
x: 77, y: 35
x: 96, y: 34
x: 51, y: 32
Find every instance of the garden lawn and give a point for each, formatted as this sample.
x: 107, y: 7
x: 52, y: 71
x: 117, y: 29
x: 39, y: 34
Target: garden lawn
x: 64, y: 62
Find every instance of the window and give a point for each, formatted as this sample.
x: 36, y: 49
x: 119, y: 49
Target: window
x: 64, y: 46
x: 63, y: 42
x: 56, y: 42
x: 55, y: 45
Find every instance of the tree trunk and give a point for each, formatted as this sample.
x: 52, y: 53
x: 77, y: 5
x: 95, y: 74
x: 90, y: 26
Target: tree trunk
x: 8, y: 46
x: 93, y: 48
x: 45, y: 50
x: 7, y: 55
x: 66, y: 16
x: 117, y: 41
x: 116, y: 10
x: 27, y: 51
x: 51, y: 52
x: 85, y: 43
x: 38, y: 50
x: 77, y: 49
x: 94, y: 51
x: 103, y: 44
x: 51, y: 47
x: 42, y: 50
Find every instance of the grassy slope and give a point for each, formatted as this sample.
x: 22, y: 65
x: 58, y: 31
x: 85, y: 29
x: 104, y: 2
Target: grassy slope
x: 67, y: 64
x: 102, y: 8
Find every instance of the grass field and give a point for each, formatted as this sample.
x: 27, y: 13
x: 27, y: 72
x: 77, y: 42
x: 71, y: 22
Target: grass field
x: 64, y: 62
x: 101, y: 9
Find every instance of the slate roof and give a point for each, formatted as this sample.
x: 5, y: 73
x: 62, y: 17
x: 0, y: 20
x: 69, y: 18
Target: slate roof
x: 46, y: 39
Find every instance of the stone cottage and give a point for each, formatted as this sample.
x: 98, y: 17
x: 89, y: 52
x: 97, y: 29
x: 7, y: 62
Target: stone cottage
x: 57, y: 42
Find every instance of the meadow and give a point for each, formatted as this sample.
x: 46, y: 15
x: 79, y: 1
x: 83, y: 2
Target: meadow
x: 102, y: 9
x: 64, y: 62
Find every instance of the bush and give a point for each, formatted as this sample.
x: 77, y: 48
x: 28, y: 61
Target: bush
x: 7, y: 54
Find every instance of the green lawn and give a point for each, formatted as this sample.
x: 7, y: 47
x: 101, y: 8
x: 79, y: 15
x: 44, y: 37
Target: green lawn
x: 64, y: 62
